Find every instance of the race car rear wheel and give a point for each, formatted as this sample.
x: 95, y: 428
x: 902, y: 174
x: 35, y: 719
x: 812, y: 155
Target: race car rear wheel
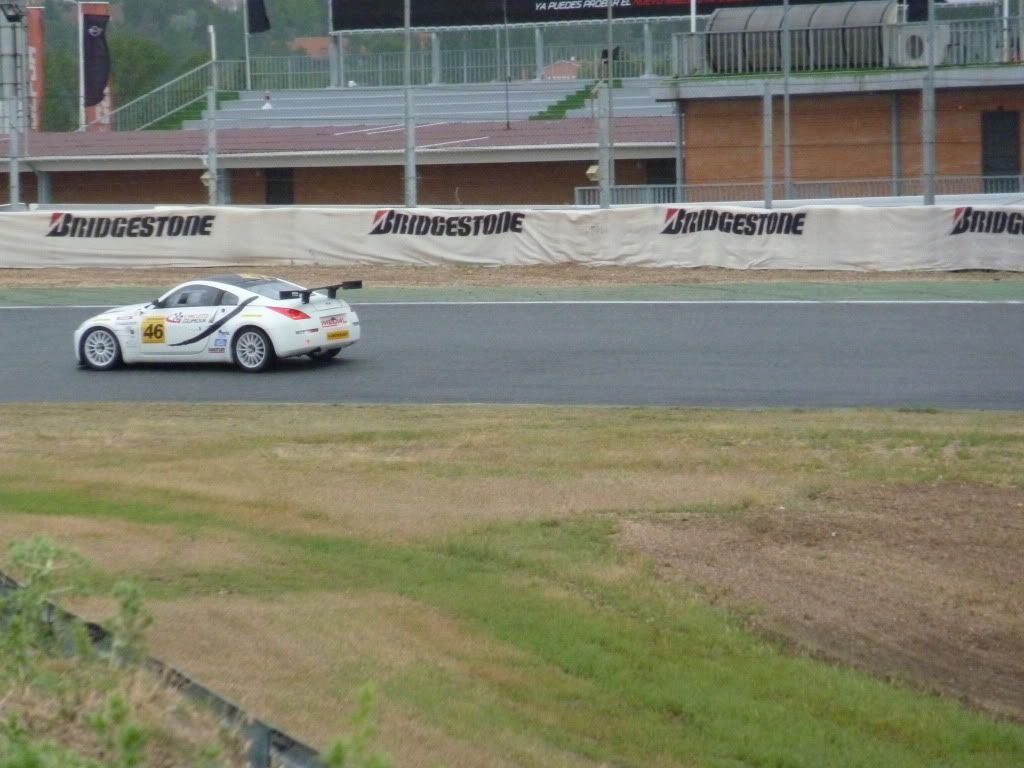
x: 325, y: 354
x: 100, y: 349
x: 252, y: 350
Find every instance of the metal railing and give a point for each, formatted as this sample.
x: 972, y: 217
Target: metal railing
x: 270, y: 73
x: 662, y: 194
x: 882, y: 46
x: 181, y: 92
x: 663, y: 52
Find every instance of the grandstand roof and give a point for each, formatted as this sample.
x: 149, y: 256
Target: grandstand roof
x: 437, y: 143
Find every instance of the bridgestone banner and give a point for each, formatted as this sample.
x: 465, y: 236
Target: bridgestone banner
x: 820, y: 238
x: 389, y: 14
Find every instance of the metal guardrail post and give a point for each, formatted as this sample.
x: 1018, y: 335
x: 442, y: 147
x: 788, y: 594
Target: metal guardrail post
x: 259, y: 745
x: 267, y: 745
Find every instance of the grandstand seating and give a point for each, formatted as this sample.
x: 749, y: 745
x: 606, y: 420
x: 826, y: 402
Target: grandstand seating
x: 386, y: 105
x: 632, y: 99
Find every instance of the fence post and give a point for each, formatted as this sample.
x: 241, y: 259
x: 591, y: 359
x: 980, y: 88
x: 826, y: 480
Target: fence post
x: 538, y: 52
x: 337, y: 61
x: 648, y: 50
x: 768, y: 142
x: 435, y: 58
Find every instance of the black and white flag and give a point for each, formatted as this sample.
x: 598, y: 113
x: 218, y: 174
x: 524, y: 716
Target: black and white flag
x: 256, y: 13
x: 95, y: 58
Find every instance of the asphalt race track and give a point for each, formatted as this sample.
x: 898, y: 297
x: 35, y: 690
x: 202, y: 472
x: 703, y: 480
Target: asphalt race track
x: 730, y: 354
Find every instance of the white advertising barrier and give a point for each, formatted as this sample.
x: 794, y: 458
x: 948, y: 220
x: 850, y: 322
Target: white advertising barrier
x: 817, y: 238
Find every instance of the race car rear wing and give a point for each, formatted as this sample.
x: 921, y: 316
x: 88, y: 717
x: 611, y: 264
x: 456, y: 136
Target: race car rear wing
x: 332, y: 290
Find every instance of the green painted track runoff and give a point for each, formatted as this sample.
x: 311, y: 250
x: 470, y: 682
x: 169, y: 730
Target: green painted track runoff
x: 994, y: 289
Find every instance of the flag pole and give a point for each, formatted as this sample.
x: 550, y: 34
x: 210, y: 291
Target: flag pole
x: 410, y: 119
x: 245, y: 30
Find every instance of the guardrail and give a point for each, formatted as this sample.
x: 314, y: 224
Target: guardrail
x: 662, y: 194
x: 268, y: 746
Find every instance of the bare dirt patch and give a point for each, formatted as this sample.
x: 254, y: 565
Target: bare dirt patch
x: 567, y: 275
x: 917, y: 584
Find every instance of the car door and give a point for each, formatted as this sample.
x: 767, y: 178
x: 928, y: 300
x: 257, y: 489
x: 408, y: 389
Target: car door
x: 179, y: 325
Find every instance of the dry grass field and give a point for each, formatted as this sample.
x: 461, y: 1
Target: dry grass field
x: 293, y: 552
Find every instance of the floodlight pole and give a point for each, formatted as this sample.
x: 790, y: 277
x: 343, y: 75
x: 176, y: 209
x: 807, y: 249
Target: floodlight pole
x: 611, y: 111
x: 928, y: 114
x: 245, y: 37
x: 508, y: 64
x: 211, y: 121
x: 81, y: 67
x: 14, y: 13
x: 410, y: 120
x: 787, y: 149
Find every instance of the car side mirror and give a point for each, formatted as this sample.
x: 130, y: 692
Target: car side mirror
x: 155, y: 303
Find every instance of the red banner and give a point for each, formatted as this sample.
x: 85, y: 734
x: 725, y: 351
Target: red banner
x: 35, y: 30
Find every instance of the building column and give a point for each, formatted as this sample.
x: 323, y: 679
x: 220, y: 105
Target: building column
x: 44, y: 187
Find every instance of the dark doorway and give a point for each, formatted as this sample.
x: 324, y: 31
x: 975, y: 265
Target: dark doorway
x: 1000, y: 151
x: 280, y: 186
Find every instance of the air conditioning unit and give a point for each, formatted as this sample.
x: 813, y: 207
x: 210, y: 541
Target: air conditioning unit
x: 909, y: 45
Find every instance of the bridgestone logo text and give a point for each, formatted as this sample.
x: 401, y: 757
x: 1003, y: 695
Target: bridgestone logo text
x: 68, y: 225
x: 679, y: 221
x: 988, y: 222
x: 392, y: 222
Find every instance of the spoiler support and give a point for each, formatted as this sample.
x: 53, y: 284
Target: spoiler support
x: 332, y: 290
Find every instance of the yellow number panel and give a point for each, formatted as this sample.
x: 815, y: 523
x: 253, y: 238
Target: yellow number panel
x: 153, y: 330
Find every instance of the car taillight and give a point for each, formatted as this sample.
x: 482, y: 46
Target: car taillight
x: 291, y: 314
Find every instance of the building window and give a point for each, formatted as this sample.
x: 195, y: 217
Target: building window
x: 661, y: 170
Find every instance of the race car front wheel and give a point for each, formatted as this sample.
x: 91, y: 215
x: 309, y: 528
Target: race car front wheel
x: 100, y: 350
x: 252, y: 350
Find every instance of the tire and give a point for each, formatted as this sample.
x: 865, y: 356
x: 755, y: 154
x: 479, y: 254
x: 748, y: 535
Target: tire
x: 252, y: 350
x: 324, y: 354
x: 100, y: 349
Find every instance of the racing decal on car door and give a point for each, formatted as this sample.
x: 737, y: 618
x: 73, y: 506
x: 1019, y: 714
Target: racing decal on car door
x: 153, y: 331
x: 212, y: 327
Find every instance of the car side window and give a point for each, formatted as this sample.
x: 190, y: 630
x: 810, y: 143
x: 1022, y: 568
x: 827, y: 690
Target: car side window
x: 192, y: 296
x: 228, y: 299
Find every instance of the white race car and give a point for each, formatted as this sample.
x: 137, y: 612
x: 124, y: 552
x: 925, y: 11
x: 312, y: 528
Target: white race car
x: 251, y: 320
